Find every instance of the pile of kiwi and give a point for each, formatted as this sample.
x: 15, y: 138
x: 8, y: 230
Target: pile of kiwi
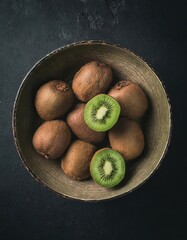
x: 100, y: 130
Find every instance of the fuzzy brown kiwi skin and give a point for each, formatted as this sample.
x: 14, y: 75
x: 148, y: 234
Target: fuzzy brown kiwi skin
x: 76, y: 162
x: 75, y: 120
x: 127, y: 138
x: 131, y: 98
x: 92, y: 79
x: 51, y: 139
x: 54, y: 99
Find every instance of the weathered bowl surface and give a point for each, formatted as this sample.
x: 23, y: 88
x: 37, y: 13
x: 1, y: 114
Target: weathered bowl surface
x: 62, y: 64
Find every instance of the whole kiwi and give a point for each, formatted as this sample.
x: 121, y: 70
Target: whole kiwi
x: 131, y: 98
x: 53, y: 99
x: 127, y: 138
x: 93, y: 78
x: 76, y: 162
x: 52, y: 138
x: 75, y: 120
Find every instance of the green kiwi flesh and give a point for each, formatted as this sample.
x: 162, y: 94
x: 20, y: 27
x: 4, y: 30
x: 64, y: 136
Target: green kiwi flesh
x: 75, y: 119
x: 101, y: 113
x: 54, y: 99
x: 107, y: 168
x: 51, y: 139
x: 93, y: 78
x: 127, y: 138
x: 76, y: 162
x: 131, y: 98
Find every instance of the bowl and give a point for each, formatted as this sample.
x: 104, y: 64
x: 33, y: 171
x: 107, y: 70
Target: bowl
x: 63, y: 64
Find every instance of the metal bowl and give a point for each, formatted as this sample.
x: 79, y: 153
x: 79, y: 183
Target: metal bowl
x: 63, y: 64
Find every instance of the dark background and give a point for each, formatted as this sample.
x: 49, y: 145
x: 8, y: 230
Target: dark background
x: 154, y: 30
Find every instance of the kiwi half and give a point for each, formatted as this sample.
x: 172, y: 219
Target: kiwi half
x: 75, y: 119
x: 107, y: 167
x: 54, y: 99
x: 131, y: 98
x: 101, y: 113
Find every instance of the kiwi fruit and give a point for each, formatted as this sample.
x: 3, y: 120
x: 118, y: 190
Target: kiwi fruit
x: 101, y: 112
x: 75, y: 120
x: 76, y: 161
x: 107, y: 167
x: 93, y: 78
x: 54, y: 99
x: 127, y: 138
x: 131, y: 98
x: 52, y: 138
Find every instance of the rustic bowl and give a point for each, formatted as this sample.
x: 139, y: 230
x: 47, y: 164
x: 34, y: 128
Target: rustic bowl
x: 62, y: 64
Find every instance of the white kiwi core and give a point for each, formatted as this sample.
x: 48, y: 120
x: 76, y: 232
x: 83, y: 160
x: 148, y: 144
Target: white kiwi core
x: 107, y: 168
x: 101, y: 112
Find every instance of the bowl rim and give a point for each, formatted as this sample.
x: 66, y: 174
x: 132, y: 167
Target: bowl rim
x: 15, y: 105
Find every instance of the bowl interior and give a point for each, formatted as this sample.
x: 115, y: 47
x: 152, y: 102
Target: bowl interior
x: 63, y: 64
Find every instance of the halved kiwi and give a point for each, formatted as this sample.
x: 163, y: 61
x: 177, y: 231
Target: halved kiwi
x: 107, y: 167
x: 101, y: 112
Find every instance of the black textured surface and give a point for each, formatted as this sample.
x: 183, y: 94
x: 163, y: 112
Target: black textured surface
x: 154, y: 30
